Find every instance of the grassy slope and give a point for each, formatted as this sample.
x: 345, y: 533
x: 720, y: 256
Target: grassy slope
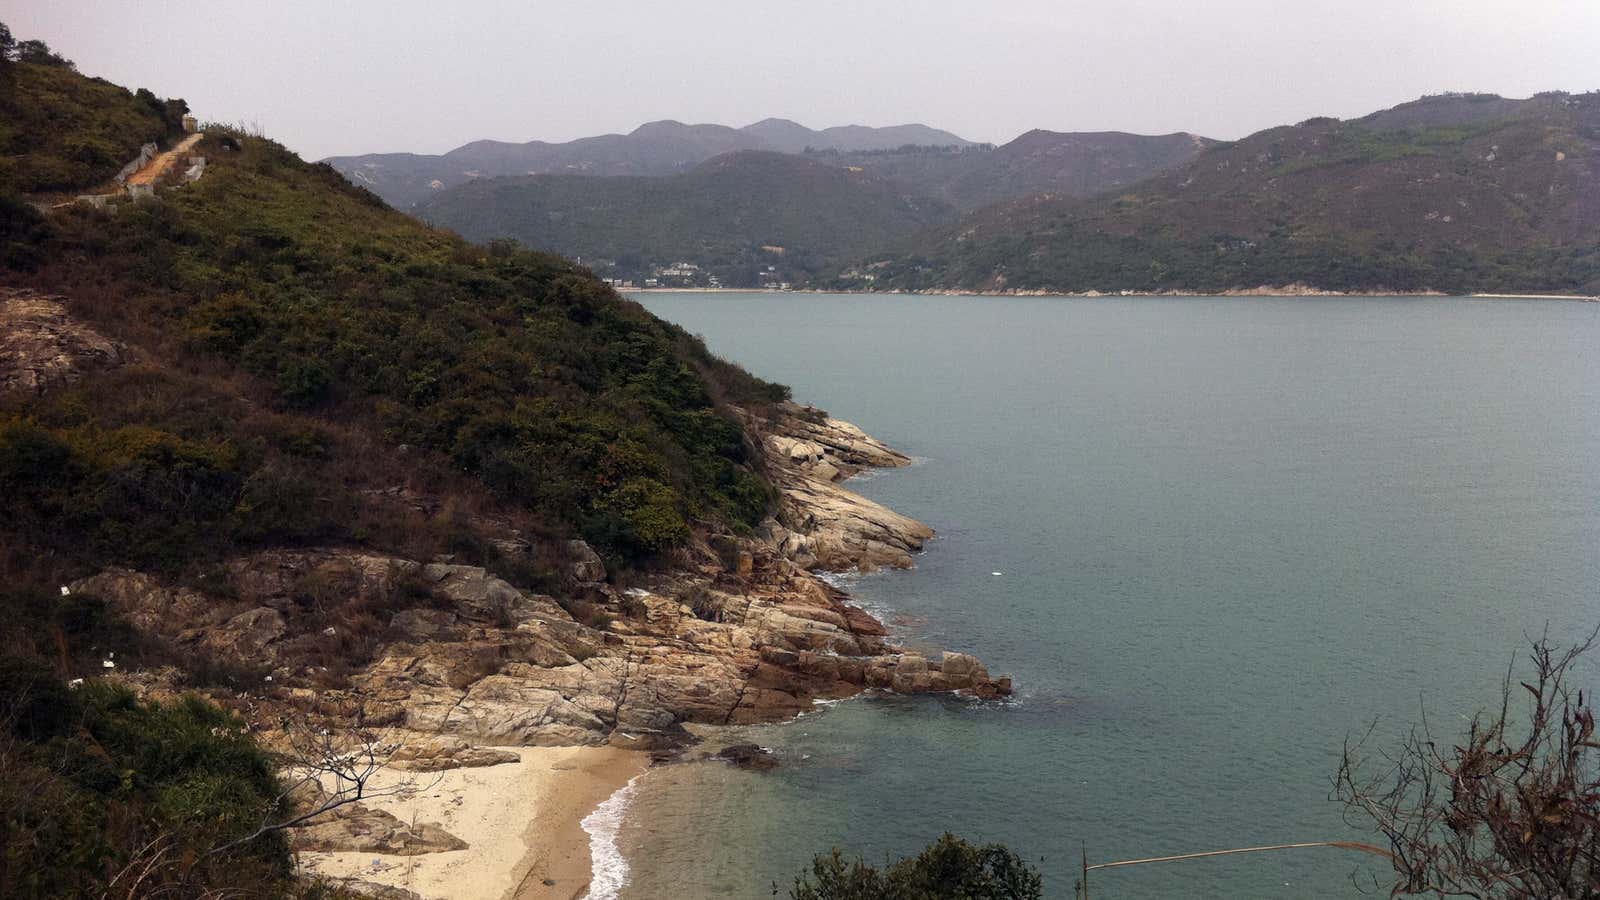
x: 719, y: 216
x: 1453, y: 194
x: 61, y: 131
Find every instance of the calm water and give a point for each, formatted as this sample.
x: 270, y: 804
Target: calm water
x: 1230, y: 532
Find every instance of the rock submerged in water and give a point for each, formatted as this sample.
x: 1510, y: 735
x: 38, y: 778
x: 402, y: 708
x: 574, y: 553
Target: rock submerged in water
x: 748, y: 756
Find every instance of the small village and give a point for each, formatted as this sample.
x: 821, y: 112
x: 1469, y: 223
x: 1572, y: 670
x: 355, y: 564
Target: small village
x: 683, y: 275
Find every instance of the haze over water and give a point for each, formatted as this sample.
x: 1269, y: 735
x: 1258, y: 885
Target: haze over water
x: 1230, y: 533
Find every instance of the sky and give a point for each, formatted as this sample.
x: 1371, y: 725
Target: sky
x: 352, y: 76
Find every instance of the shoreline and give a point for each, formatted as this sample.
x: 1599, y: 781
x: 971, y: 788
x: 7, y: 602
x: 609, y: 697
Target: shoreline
x: 544, y: 826
x: 1281, y: 291
x: 559, y: 862
x: 522, y: 822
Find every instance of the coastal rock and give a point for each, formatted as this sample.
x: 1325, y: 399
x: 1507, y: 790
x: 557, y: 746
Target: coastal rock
x: 740, y: 632
x: 357, y: 827
x: 820, y: 524
x: 42, y: 347
x: 748, y: 756
x: 440, y: 754
x: 362, y: 888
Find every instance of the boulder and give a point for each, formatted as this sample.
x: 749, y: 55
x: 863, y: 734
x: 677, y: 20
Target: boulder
x: 586, y: 565
x: 748, y: 756
x: 358, y: 827
x: 247, y: 633
x: 440, y: 754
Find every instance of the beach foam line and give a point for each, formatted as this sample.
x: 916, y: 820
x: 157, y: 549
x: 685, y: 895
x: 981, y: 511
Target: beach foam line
x: 609, y: 867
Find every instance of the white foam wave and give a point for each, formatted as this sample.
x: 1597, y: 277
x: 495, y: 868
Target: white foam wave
x: 609, y: 869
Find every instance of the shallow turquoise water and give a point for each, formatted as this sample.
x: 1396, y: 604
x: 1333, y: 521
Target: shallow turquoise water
x: 1231, y: 532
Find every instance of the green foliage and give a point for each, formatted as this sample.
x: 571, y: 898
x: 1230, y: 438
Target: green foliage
x: 1454, y: 194
x: 526, y: 373
x: 60, y: 131
x: 93, y: 778
x: 719, y: 216
x: 949, y: 869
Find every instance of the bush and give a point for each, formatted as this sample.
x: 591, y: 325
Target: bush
x: 92, y: 779
x: 949, y: 869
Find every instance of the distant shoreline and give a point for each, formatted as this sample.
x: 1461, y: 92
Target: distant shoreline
x: 1286, y: 291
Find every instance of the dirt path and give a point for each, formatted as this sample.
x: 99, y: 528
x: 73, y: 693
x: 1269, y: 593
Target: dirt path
x: 161, y: 162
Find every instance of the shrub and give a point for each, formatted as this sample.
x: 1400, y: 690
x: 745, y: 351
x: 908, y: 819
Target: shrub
x: 91, y: 779
x: 949, y: 869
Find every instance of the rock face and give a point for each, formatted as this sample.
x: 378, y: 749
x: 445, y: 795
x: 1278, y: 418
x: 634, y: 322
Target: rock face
x: 741, y: 632
x: 820, y: 524
x: 357, y: 827
x: 445, y: 753
x: 42, y: 347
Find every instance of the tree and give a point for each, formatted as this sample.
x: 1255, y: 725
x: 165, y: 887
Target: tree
x: 8, y: 44
x: 949, y: 869
x: 1512, y: 811
x: 40, y: 54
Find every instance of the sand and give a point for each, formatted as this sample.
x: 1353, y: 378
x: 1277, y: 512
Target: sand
x: 522, y: 822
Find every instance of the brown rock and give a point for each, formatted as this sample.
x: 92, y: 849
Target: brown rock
x: 42, y: 347
x: 748, y: 756
x: 358, y: 827
x: 446, y: 753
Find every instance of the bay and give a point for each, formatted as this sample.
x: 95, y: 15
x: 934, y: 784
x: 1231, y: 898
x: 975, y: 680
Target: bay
x: 1230, y: 533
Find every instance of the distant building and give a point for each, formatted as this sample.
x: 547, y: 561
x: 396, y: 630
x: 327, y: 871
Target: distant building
x: 190, y: 125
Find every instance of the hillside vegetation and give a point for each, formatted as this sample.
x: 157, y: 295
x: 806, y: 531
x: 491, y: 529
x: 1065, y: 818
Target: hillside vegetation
x: 286, y: 362
x: 1070, y: 164
x: 1450, y: 193
x: 60, y: 131
x: 733, y: 216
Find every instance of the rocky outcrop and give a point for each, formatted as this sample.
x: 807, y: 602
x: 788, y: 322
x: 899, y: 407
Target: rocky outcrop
x: 748, y: 756
x: 444, y: 753
x: 43, y: 348
x: 360, y: 828
x: 742, y: 631
x: 362, y: 888
x: 820, y: 524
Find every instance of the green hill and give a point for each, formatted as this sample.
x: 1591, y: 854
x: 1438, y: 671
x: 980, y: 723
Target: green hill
x: 61, y: 131
x: 1071, y: 164
x: 733, y: 216
x: 300, y: 345
x: 1453, y: 193
x: 269, y: 358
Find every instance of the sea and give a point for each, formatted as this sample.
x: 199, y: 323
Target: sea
x: 1213, y: 540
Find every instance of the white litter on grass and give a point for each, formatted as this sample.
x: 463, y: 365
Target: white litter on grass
x: 65, y: 592
x: 996, y: 573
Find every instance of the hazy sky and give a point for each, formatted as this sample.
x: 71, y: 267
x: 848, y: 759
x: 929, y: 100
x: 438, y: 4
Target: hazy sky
x: 350, y: 76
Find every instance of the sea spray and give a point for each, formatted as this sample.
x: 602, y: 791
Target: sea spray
x: 609, y: 868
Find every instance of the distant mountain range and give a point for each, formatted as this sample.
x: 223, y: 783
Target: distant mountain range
x: 1453, y: 193
x: 823, y: 205
x: 749, y: 218
x: 1072, y: 164
x: 656, y: 148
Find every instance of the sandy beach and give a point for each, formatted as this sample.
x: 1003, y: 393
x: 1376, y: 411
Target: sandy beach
x: 522, y: 822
